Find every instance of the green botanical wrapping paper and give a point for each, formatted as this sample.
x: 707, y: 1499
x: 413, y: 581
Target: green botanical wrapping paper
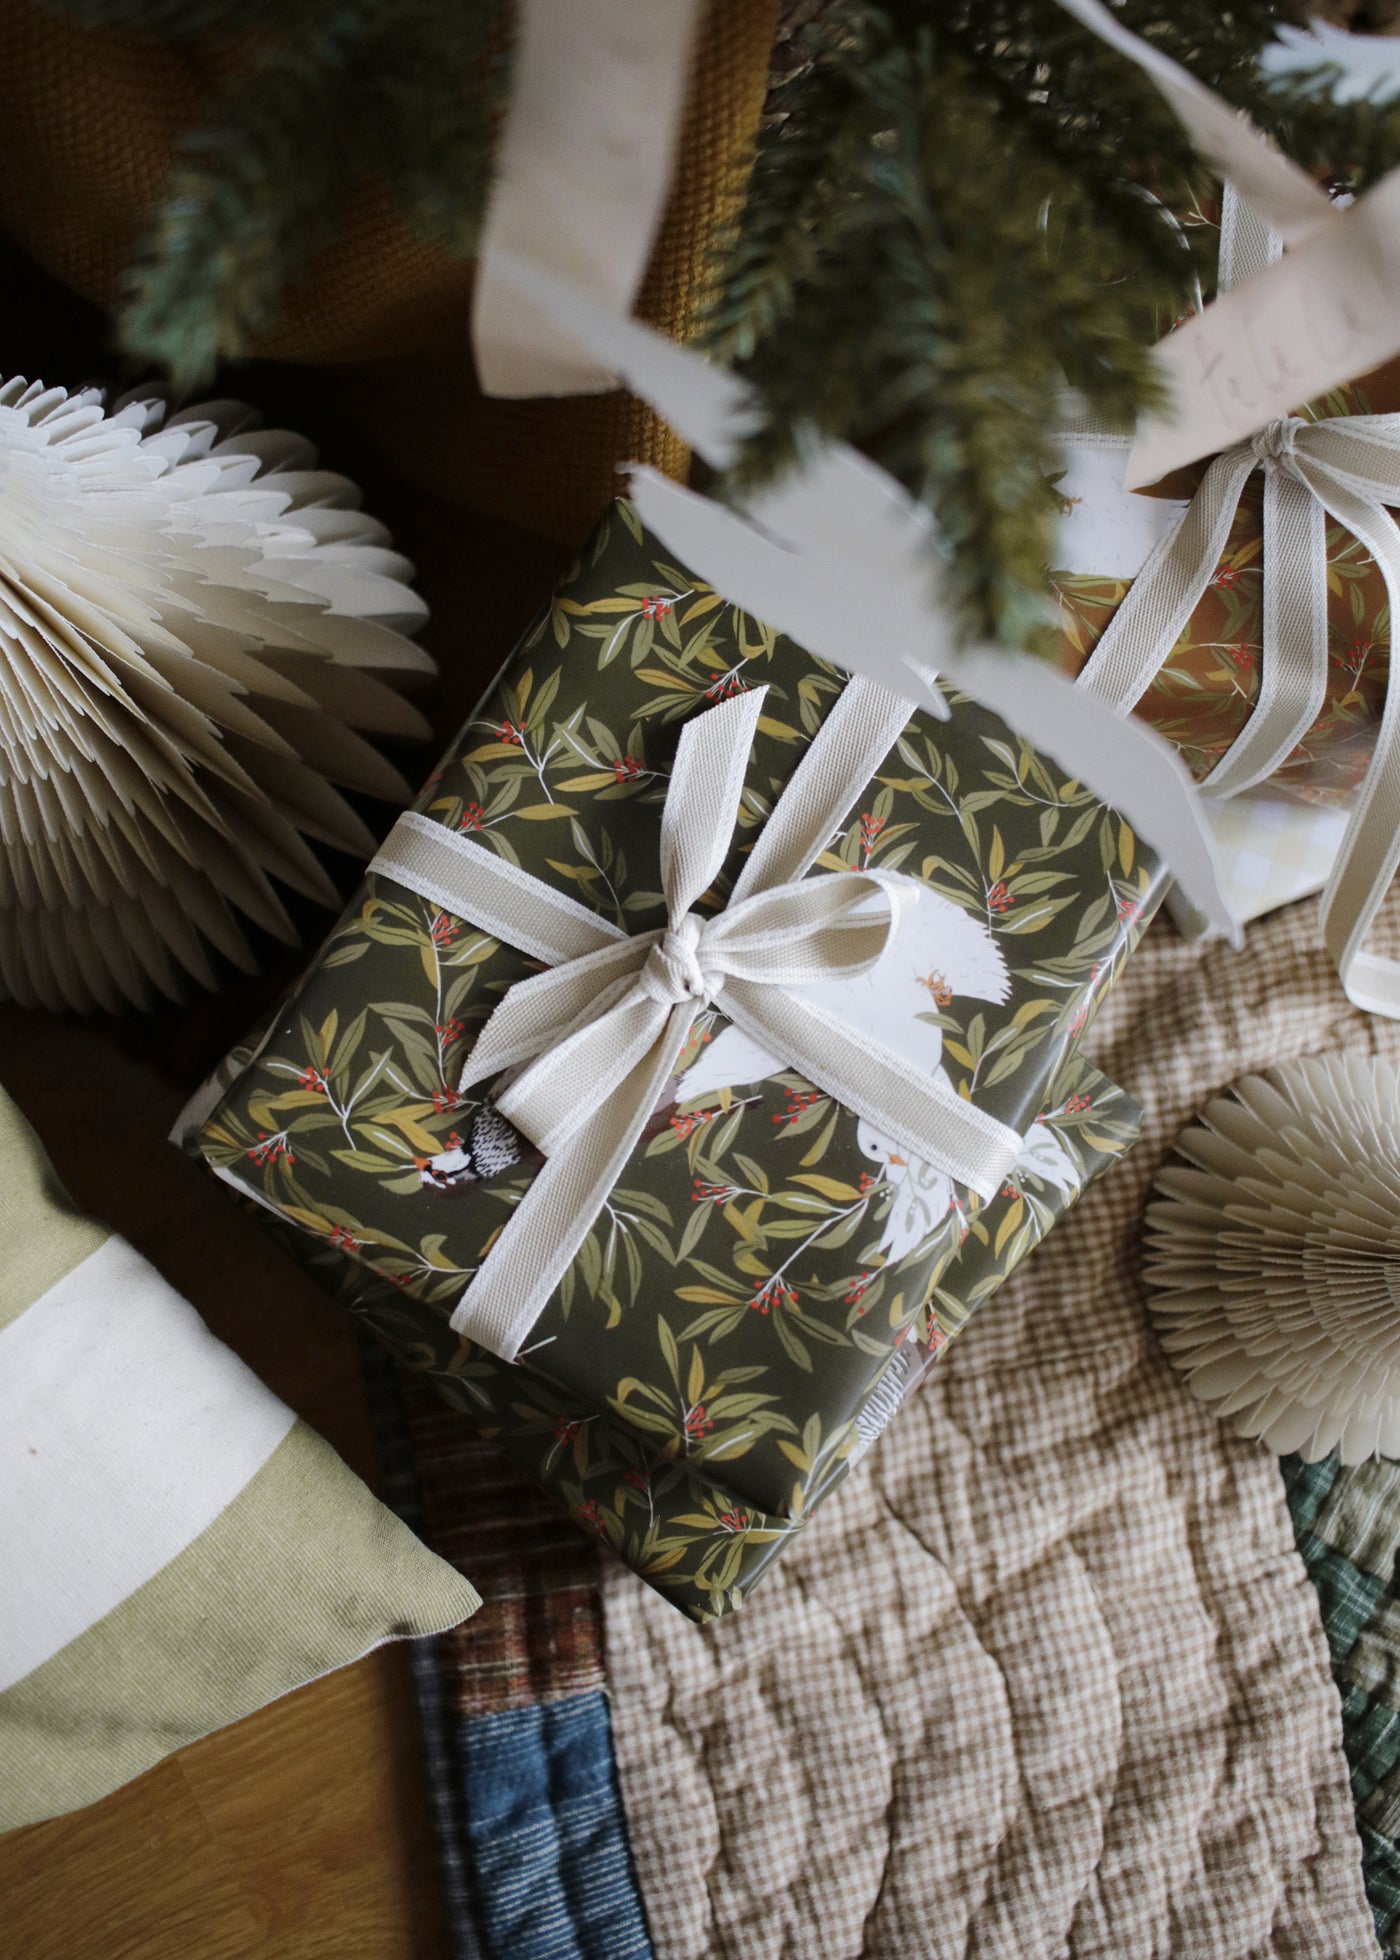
x: 765, y: 1251
x: 687, y: 1536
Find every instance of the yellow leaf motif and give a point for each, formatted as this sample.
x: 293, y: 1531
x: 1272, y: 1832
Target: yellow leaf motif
x: 406, y: 1122
x: 741, y: 1224
x: 658, y: 677
x: 1008, y: 1225
x: 827, y: 1187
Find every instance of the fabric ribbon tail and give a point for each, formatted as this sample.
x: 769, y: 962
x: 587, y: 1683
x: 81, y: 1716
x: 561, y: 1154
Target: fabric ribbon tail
x: 549, y: 1225
x: 1161, y: 599
x: 538, y: 1014
x: 1370, y: 853
x: 1293, y: 674
x: 555, y: 1099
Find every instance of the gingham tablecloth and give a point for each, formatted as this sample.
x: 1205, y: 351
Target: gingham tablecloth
x: 1049, y: 1678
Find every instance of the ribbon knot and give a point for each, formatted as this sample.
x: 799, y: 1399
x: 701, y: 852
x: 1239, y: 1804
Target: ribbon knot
x: 673, y: 972
x: 1275, y: 443
x: 587, y: 1050
x: 1345, y: 467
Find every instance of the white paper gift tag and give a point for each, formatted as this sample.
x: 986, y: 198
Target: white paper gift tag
x: 1326, y: 313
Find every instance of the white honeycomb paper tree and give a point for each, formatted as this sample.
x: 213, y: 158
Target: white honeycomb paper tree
x: 1274, y: 1257
x: 198, y: 630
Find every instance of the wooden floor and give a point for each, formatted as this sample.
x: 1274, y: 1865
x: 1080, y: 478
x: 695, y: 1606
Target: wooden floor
x: 304, y: 1830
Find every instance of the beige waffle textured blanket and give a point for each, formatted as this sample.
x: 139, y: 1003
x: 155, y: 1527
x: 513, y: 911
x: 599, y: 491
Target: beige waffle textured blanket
x: 1047, y: 1677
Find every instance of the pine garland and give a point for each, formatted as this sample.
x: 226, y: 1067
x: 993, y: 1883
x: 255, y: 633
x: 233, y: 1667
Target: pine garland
x: 957, y: 205
x: 966, y: 202
x: 410, y: 90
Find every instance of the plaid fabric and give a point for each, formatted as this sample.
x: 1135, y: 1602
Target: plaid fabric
x: 1347, y: 1524
x: 1050, y: 1679
x: 547, y: 1835
x: 532, y: 1843
x: 399, y: 1490
x: 543, y: 1637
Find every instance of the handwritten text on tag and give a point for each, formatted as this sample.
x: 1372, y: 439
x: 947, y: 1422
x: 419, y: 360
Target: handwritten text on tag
x: 1326, y: 313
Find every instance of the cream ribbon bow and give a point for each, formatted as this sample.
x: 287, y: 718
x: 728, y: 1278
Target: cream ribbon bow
x: 601, y: 1031
x: 1346, y: 467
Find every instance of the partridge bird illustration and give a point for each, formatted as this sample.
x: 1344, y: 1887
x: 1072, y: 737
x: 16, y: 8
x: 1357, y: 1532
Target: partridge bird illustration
x: 494, y: 1147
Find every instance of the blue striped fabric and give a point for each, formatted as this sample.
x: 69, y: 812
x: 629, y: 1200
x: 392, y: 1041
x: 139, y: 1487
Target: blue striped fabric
x: 399, y: 1490
x: 544, y: 1820
x: 527, y: 1813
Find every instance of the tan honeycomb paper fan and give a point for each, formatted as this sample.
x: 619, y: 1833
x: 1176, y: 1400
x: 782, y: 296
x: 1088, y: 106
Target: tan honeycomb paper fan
x: 1274, y: 1257
x: 195, y: 625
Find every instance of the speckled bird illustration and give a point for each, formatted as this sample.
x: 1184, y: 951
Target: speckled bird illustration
x: 493, y: 1146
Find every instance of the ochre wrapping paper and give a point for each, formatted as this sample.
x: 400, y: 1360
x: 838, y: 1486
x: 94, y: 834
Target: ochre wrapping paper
x: 1203, y: 696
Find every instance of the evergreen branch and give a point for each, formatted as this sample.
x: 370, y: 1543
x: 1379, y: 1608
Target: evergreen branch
x: 968, y: 203
x: 436, y: 147
x: 249, y: 198
x: 794, y: 199
x: 410, y: 88
x: 958, y: 205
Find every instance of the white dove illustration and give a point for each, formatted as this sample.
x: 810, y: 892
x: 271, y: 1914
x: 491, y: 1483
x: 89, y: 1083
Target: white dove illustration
x: 941, y: 954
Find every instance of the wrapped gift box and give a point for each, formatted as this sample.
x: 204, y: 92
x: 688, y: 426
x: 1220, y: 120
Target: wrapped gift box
x: 1206, y: 690
x: 764, y: 1252
x: 686, y: 1535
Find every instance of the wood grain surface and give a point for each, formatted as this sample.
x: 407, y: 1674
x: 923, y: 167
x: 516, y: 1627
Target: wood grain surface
x: 304, y: 1830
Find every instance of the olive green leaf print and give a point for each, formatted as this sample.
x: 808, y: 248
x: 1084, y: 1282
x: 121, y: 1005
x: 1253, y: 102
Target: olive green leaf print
x: 625, y: 1485
x: 765, y: 1252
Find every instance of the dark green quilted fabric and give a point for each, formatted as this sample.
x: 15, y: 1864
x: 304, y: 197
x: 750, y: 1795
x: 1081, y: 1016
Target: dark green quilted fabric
x: 1347, y: 1523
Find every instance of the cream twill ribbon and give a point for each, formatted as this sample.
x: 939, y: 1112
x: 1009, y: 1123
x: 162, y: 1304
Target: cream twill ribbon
x: 1348, y: 468
x: 600, y: 1032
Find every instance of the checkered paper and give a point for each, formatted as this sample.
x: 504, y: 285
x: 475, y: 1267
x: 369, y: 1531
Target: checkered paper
x: 1271, y: 850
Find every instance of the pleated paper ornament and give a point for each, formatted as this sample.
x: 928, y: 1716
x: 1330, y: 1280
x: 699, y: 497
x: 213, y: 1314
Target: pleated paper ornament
x: 196, y: 624
x: 1274, y: 1257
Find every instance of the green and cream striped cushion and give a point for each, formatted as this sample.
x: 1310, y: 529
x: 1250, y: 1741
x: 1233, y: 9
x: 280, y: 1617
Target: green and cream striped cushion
x: 176, y: 1548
